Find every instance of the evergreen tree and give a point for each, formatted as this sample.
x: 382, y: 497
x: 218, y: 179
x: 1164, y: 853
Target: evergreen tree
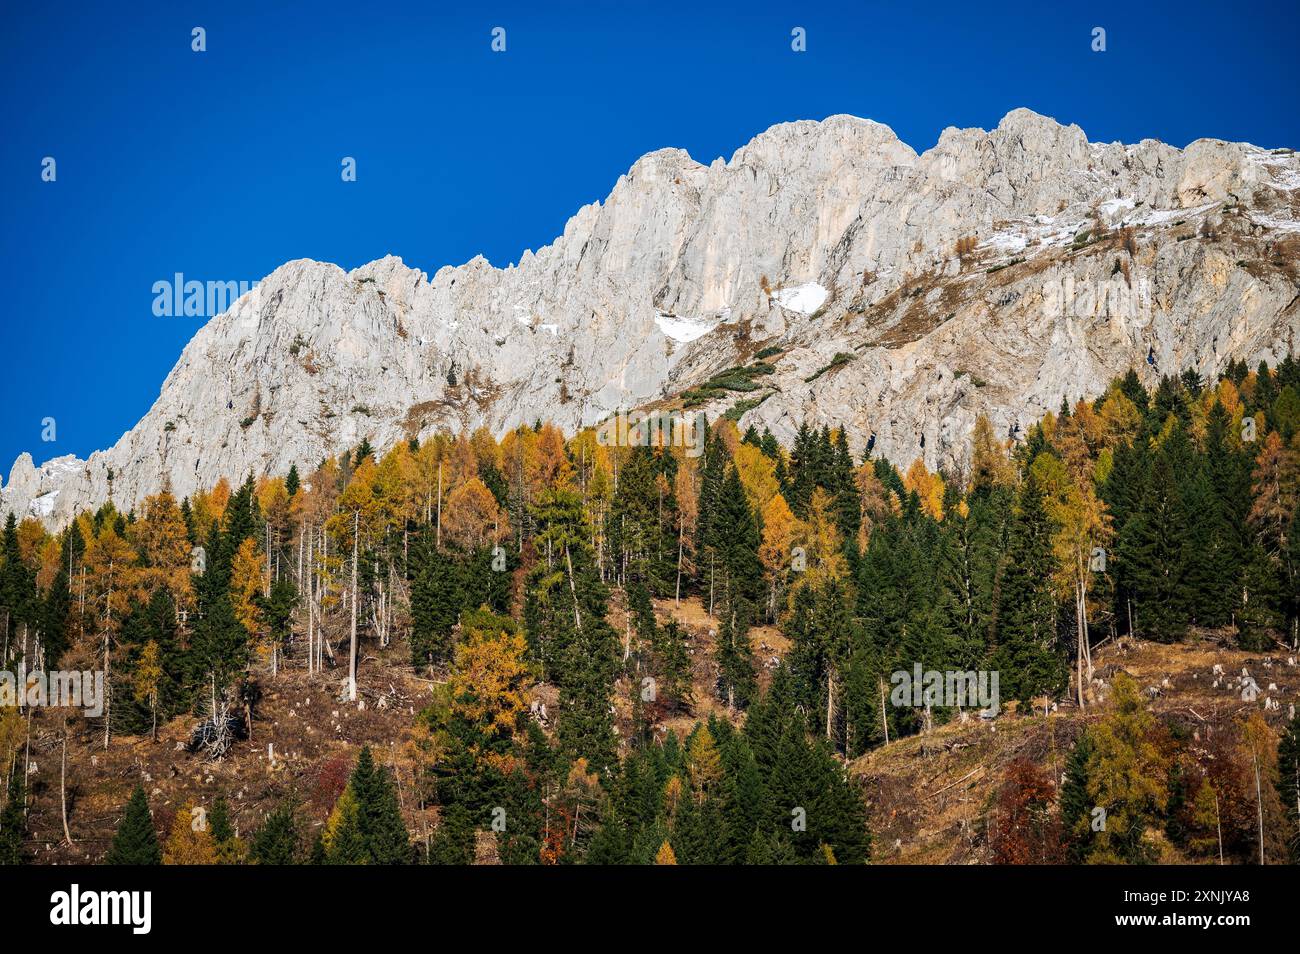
x: 672, y: 664
x: 1076, y: 804
x: 277, y: 611
x: 136, y: 842
x: 58, y: 601
x: 453, y: 842
x: 437, y: 598
x: 229, y: 848
x: 379, y: 820
x: 736, y: 676
x: 17, y: 588
x: 276, y: 842
x: 13, y: 821
x: 1154, y: 549
x: 738, y: 540
x: 1027, y: 656
x: 1288, y: 782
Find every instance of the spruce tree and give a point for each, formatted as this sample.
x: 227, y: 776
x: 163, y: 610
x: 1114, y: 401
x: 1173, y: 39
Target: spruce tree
x: 453, y: 842
x: 736, y: 676
x: 1154, y: 549
x: 276, y: 842
x: 229, y: 847
x: 437, y: 598
x: 17, y: 587
x: 673, y: 664
x: 379, y: 819
x: 13, y: 821
x: 1288, y: 783
x: 136, y: 842
x: 738, y: 539
x: 1027, y: 656
x: 1076, y: 804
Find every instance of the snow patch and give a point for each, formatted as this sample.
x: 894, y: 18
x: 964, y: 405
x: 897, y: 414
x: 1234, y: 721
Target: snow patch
x: 805, y: 299
x: 1274, y: 222
x: 682, y: 329
x: 43, y: 506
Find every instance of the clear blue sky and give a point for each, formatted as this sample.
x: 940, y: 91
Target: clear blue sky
x: 224, y: 164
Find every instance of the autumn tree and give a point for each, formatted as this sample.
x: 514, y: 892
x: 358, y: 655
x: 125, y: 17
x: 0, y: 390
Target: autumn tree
x: 1126, y: 774
x: 190, y: 842
x: 1025, y: 829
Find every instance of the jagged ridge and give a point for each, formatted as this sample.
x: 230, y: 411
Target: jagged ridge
x: 832, y: 240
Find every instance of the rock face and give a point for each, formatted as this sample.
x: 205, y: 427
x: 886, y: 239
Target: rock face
x: 995, y: 273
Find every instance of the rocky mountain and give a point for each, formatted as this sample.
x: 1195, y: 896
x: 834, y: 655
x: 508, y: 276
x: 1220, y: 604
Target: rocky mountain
x: 898, y: 294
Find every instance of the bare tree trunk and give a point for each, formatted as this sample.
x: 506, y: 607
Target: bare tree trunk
x: 1259, y: 801
x: 437, y: 533
x: 884, y: 718
x: 573, y: 588
x: 352, y: 650
x: 311, y: 608
x: 830, y: 702
x: 1218, y: 823
x: 108, y: 692
x: 681, y: 535
x: 63, y: 786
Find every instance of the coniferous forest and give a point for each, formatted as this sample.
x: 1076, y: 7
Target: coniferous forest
x: 558, y: 651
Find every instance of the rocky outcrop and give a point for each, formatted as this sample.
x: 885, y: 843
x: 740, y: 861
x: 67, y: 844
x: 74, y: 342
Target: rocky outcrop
x: 995, y: 273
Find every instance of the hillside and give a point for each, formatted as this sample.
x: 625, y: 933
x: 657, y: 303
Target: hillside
x: 929, y: 796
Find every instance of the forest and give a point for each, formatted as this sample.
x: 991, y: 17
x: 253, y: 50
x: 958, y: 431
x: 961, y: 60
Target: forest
x: 534, y: 585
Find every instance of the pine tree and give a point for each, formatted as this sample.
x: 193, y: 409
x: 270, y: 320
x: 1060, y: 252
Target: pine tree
x: 13, y: 822
x: 1288, y: 782
x: 738, y: 540
x: 1027, y: 656
x: 379, y: 820
x: 230, y: 849
x: 672, y: 664
x: 453, y: 842
x: 17, y: 587
x: 58, y: 601
x: 1076, y: 803
x: 1154, y: 549
x: 342, y: 840
x: 136, y: 842
x: 437, y: 598
x: 709, y: 525
x: 736, y: 676
x: 276, y: 842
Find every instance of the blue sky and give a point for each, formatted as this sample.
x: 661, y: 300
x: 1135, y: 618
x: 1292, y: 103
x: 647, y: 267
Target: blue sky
x: 224, y: 164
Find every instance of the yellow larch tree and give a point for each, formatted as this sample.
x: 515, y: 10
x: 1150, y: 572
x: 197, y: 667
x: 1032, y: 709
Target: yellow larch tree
x: 190, y: 842
x: 928, y: 488
x: 472, y: 518
x: 489, y: 677
x: 780, y: 529
x: 163, y: 542
x: 247, y: 572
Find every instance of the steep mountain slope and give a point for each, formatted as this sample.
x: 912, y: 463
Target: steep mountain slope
x: 995, y: 273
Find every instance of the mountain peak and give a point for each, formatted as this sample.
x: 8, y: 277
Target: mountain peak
x: 830, y: 244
